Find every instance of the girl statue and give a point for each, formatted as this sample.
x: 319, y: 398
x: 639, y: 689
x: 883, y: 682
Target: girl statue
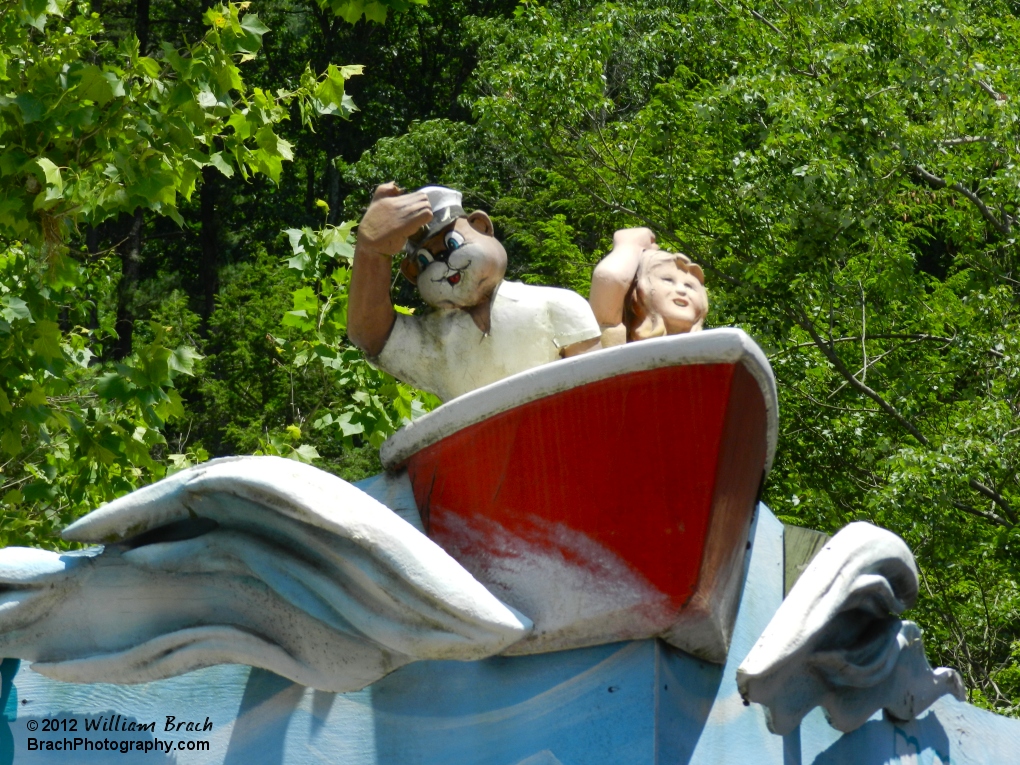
x: 639, y: 291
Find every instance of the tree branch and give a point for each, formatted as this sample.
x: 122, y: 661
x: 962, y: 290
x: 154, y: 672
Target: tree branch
x: 880, y: 92
x: 988, y: 515
x: 851, y: 380
x: 965, y: 139
x: 995, y: 497
x: 1004, y: 227
x: 875, y: 336
x: 834, y: 359
x: 755, y: 14
x: 764, y: 20
x: 987, y: 88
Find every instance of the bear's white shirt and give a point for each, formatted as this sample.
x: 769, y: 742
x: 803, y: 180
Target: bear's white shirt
x: 445, y: 353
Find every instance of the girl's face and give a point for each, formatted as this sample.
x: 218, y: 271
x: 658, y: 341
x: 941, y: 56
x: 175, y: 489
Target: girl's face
x: 675, y: 295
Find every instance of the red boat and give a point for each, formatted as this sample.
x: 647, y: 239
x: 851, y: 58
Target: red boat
x: 608, y: 496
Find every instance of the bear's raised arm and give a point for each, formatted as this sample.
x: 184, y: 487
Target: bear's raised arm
x: 390, y: 219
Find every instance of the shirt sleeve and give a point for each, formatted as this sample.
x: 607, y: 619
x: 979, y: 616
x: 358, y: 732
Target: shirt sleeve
x: 571, y: 318
x: 406, y: 355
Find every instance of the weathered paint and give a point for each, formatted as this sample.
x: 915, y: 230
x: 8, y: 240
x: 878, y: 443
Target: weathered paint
x: 615, y: 509
x: 280, y: 566
x: 637, y: 703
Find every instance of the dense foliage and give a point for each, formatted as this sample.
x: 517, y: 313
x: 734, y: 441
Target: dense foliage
x: 174, y: 187
x: 103, y: 139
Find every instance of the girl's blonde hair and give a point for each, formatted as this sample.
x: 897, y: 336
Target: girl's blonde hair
x: 642, y: 324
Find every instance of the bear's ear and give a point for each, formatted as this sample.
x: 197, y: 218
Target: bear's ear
x: 409, y: 268
x: 481, y: 222
x: 838, y: 642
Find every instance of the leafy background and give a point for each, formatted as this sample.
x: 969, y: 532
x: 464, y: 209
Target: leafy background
x: 180, y: 183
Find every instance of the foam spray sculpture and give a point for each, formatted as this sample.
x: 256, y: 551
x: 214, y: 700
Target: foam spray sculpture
x: 619, y: 587
x: 838, y: 642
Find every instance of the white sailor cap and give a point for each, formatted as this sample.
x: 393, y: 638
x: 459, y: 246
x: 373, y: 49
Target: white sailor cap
x: 446, y: 208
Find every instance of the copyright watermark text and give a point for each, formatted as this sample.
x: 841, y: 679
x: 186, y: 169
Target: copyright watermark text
x: 85, y: 744
x: 115, y: 733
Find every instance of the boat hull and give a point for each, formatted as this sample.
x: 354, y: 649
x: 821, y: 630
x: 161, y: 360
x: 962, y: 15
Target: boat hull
x: 617, y: 508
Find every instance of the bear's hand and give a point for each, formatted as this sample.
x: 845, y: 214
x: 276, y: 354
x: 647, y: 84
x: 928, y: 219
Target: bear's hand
x: 391, y: 218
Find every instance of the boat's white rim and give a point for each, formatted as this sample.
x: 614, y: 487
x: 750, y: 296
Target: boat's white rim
x: 713, y: 346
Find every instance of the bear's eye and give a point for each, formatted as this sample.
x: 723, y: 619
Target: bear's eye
x: 424, y: 259
x: 453, y: 240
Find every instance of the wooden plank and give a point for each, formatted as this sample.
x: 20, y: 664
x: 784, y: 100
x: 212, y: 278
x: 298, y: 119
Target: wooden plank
x: 800, y: 546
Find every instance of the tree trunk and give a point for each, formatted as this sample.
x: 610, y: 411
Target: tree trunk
x: 131, y: 259
x: 208, y: 267
x: 92, y: 245
x: 142, y: 24
x: 333, y: 185
x: 310, y: 183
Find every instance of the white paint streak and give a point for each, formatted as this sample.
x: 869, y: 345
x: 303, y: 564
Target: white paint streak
x: 575, y: 591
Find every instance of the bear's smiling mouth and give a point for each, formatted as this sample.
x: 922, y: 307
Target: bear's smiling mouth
x: 453, y: 275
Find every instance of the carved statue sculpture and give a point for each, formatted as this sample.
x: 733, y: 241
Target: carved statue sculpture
x: 498, y: 532
x: 837, y: 640
x: 481, y: 328
x: 255, y: 560
x: 639, y: 291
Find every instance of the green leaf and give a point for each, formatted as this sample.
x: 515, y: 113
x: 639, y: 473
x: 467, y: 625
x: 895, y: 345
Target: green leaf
x: 32, y: 108
x: 12, y: 160
x: 183, y: 359
x: 179, y: 63
x: 331, y: 89
x: 47, y: 339
x: 300, y: 262
x: 156, y: 186
x: 251, y: 23
x: 51, y: 172
x: 217, y: 161
x: 375, y: 11
x: 349, y: 10
x: 349, y: 428
x: 10, y: 442
x: 114, y: 386
x: 305, y: 299
x: 14, y: 309
x: 298, y: 319
x: 101, y: 86
x: 295, y: 236
x: 14, y: 497
x: 54, y: 182
x: 350, y: 70
x: 34, y: 7
x: 35, y: 397
x: 150, y: 67
x: 207, y: 99
x: 306, y: 453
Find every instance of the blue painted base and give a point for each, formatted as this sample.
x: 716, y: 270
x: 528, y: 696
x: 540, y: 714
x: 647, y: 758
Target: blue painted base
x: 639, y: 703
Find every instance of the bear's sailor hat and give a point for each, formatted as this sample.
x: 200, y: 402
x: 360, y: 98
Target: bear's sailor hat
x: 446, y: 208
